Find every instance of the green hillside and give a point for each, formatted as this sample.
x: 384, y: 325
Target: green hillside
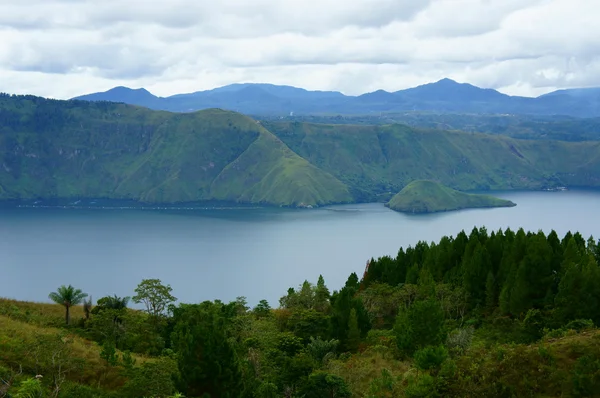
x: 79, y: 149
x: 430, y: 197
x: 378, y: 161
x: 59, y: 149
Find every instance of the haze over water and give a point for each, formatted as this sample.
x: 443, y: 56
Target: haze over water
x: 257, y: 253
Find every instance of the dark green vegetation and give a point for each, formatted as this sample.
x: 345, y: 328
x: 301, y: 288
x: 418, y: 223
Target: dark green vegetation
x: 79, y: 149
x: 430, y: 197
x: 443, y: 96
x: 480, y: 315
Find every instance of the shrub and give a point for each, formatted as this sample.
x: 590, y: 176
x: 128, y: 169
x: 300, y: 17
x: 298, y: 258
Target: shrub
x: 430, y: 357
x: 459, y: 340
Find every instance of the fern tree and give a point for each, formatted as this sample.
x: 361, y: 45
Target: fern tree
x: 67, y: 296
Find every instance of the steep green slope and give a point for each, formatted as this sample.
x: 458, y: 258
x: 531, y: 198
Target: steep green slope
x: 59, y: 149
x: 376, y: 161
x: 430, y: 197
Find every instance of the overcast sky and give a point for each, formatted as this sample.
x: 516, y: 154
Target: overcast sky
x: 64, y: 48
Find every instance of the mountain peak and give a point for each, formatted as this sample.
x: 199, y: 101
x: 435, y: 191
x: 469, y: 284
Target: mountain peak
x: 449, y: 90
x: 134, y: 96
x: 446, y: 81
x: 127, y: 89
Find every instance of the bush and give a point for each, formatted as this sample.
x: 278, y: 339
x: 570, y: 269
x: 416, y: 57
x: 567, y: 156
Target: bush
x: 430, y: 357
x: 459, y: 340
x: 580, y: 324
x: 586, y: 376
x: 424, y: 386
x: 383, y: 337
x: 72, y: 390
x: 30, y: 388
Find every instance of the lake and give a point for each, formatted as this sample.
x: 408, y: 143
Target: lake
x: 207, y: 254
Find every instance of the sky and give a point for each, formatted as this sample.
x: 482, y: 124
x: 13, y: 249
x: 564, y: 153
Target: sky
x: 64, y: 48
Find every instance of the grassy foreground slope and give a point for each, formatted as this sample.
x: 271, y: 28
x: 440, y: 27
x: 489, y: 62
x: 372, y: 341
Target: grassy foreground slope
x: 379, y: 160
x: 61, y: 149
x: 428, y: 197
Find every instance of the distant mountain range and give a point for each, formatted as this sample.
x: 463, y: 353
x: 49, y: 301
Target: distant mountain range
x: 444, y: 96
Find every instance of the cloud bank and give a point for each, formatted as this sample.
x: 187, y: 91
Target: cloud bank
x: 64, y: 48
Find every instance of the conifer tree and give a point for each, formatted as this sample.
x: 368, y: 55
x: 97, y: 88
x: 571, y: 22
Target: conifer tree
x: 322, y: 295
x: 353, y: 331
x: 426, y: 284
x: 420, y: 325
x: 490, y: 292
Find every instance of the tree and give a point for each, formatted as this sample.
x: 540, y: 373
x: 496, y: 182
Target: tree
x: 431, y: 357
x: 207, y: 359
x: 152, y: 379
x: 155, y: 296
x: 322, y: 295
x: 490, y: 291
x: 112, y: 302
x: 87, y: 308
x: 306, y: 296
x: 320, y: 349
x: 420, y: 325
x: 67, y: 296
x: 54, y: 358
x: 324, y: 385
x: 353, y: 331
x: 262, y: 309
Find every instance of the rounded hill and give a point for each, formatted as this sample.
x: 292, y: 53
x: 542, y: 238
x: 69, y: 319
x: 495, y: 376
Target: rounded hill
x: 425, y: 196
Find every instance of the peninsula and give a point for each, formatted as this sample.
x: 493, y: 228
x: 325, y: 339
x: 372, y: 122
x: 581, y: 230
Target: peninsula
x: 424, y: 196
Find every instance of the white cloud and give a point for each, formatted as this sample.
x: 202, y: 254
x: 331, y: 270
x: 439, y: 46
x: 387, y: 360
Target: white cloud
x: 63, y: 48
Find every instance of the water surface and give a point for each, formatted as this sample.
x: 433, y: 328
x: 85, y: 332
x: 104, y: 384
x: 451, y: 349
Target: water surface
x: 258, y: 252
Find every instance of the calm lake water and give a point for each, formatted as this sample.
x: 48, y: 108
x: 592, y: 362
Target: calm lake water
x: 257, y: 253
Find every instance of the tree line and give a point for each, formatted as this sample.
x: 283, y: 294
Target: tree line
x: 425, y: 306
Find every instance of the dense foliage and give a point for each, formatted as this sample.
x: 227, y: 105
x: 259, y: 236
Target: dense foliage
x: 79, y: 149
x: 480, y: 314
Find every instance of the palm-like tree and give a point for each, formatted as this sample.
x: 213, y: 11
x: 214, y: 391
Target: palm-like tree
x: 114, y: 302
x: 67, y: 296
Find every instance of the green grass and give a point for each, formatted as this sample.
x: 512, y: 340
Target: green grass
x: 430, y: 197
x: 22, y: 324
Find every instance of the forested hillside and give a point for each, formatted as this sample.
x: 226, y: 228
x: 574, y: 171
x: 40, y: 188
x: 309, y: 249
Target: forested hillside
x: 500, y: 314
x: 80, y: 149
x: 378, y: 160
x: 62, y: 149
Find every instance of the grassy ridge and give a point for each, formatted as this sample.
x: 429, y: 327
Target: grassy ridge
x: 429, y: 197
x: 375, y: 160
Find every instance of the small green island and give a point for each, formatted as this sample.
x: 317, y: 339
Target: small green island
x: 424, y: 196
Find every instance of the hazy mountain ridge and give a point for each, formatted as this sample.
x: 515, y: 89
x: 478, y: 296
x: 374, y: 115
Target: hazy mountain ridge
x: 445, y: 95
